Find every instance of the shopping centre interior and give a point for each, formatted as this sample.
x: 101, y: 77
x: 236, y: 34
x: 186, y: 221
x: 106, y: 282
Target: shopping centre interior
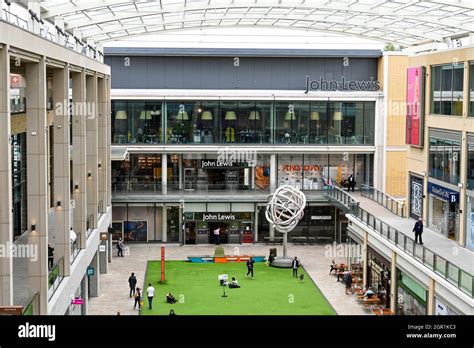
x: 158, y: 123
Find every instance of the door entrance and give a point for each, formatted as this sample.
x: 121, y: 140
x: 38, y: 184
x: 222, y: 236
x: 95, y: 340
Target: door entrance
x: 223, y: 235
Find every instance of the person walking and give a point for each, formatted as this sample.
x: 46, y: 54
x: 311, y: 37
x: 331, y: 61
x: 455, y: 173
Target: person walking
x: 150, y: 291
x: 217, y: 235
x: 138, y: 299
x: 50, y: 256
x: 132, y: 282
x: 294, y: 265
x: 120, y: 247
x: 418, y: 229
x: 250, y: 263
x: 348, y: 281
x: 351, y: 183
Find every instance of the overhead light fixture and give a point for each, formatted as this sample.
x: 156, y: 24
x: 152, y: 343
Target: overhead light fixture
x: 89, y: 175
x: 314, y: 116
x: 121, y: 115
x: 100, y: 165
x: 58, y: 204
x: 33, y: 227
x: 254, y: 115
x: 206, y: 116
x: 337, y: 116
x: 76, y: 187
x: 230, y: 116
x: 145, y: 115
x: 182, y: 116
x: 290, y: 116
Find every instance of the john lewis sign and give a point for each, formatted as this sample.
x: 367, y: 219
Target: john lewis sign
x: 322, y: 84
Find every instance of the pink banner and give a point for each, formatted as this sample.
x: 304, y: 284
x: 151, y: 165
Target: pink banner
x: 415, y: 106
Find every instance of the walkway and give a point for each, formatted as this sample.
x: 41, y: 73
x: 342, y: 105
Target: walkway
x: 114, y: 286
x: 444, y: 247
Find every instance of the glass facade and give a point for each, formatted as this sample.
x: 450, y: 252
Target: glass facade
x: 447, y: 89
x: 470, y: 163
x: 141, y: 174
x: 445, y: 158
x: 136, y: 122
x: 243, y: 122
x: 471, y: 89
x: 19, y: 167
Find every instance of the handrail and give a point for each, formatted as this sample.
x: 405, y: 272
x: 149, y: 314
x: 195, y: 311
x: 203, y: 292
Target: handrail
x: 55, y: 277
x: 32, y: 307
x: 446, y: 269
x: 342, y: 196
x: 387, y: 201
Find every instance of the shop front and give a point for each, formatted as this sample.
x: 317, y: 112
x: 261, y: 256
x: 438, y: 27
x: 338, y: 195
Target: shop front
x: 412, y: 296
x: 233, y: 221
x: 442, y: 308
x: 444, y: 210
x: 416, y: 196
x: 378, y: 275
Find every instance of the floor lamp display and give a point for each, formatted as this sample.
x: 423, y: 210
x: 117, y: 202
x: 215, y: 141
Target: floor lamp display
x: 121, y: 126
x: 337, y: 118
x: 230, y: 118
x: 284, y: 210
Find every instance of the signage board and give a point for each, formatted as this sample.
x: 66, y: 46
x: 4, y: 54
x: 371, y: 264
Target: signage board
x: 322, y: 217
x: 217, y: 217
x: 321, y: 84
x: 90, y: 271
x: 443, y: 193
x: 415, y: 106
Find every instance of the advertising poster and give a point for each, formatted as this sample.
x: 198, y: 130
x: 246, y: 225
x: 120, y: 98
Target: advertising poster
x: 135, y: 231
x: 415, y: 106
x: 117, y: 230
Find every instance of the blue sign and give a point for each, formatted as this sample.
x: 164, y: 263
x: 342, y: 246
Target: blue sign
x: 443, y: 193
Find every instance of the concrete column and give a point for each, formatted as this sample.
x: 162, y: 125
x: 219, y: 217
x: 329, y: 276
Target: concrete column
x: 6, y: 218
x: 33, y: 25
x: 164, y: 173
x: 365, y: 259
x: 92, y: 141
x: 37, y: 179
x: 462, y: 192
x: 85, y: 293
x: 79, y: 169
x: 430, y: 301
x: 102, y: 146
x: 164, y: 225
x: 109, y: 141
x: 393, y: 282
x: 103, y: 257
x: 255, y: 226
x: 78, y: 34
x: 181, y: 181
x: 109, y: 249
x: 273, y: 173
x: 272, y: 232
x: 61, y: 171
x: 94, y: 281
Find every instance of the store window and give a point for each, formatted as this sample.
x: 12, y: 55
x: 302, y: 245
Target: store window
x: 447, y: 89
x: 19, y: 195
x: 17, y: 93
x: 136, y: 122
x: 445, y: 157
x: 412, y: 297
x: 471, y: 89
x: 470, y: 162
x: 291, y: 119
x: 290, y: 170
x: 470, y: 222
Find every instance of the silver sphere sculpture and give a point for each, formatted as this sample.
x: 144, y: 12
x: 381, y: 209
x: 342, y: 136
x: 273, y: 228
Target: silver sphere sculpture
x: 285, y: 209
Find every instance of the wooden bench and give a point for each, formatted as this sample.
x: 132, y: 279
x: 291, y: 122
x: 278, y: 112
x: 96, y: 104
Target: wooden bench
x: 300, y: 240
x: 276, y: 240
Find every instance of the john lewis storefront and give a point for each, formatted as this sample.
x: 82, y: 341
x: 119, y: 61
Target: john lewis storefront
x: 309, y: 120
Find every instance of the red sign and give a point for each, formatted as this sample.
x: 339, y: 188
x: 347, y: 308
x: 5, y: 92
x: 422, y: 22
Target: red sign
x: 415, y: 106
x: 77, y: 301
x: 15, y: 81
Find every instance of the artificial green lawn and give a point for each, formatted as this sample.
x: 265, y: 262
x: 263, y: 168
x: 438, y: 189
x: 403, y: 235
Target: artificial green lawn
x: 274, y: 291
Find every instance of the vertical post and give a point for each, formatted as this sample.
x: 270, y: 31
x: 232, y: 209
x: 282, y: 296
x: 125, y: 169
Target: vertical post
x: 393, y: 282
x: 6, y: 217
x: 162, y: 264
x: 255, y: 227
x: 37, y: 179
x: 92, y: 140
x: 164, y: 173
x: 365, y: 259
x: 164, y: 223
x: 62, y: 166
x: 79, y: 155
x: 285, y: 239
x: 102, y: 145
x: 108, y: 115
x: 431, y: 297
x: 273, y: 173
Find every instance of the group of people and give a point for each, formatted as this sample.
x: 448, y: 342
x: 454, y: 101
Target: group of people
x: 136, y: 293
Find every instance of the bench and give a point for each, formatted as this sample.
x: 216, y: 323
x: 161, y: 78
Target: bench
x: 276, y: 240
x: 300, y: 240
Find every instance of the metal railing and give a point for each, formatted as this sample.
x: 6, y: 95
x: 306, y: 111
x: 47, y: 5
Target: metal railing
x: 32, y: 308
x: 342, y: 197
x: 446, y: 269
x: 69, y: 41
x: 55, y: 277
x: 387, y: 201
x: 75, y: 247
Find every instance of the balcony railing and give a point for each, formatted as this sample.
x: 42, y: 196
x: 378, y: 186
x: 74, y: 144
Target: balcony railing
x: 56, y: 276
x: 75, y: 247
x: 342, y: 196
x: 387, y: 201
x: 446, y: 269
x: 69, y: 41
